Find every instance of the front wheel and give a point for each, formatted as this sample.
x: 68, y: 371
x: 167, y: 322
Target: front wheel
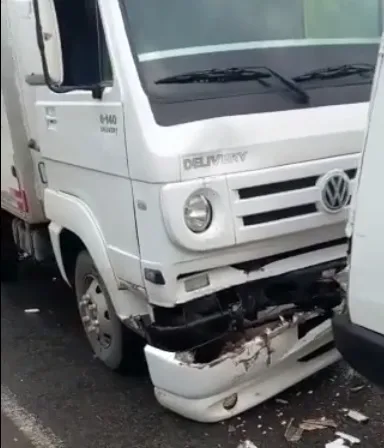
x: 110, y: 340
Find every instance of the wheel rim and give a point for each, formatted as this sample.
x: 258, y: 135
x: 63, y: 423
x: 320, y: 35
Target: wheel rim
x: 95, y: 314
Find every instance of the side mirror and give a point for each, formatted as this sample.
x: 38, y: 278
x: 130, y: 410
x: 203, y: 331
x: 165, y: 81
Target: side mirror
x: 48, y: 38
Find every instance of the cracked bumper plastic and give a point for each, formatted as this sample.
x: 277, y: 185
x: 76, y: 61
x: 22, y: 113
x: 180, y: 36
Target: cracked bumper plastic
x: 255, y: 371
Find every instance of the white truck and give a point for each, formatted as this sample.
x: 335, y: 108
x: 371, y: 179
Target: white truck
x: 189, y: 168
x: 359, y: 331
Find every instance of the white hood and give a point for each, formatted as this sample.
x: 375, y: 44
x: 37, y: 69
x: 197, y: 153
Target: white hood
x: 250, y: 142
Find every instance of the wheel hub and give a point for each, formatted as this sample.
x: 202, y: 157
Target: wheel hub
x: 90, y: 317
x: 94, y: 313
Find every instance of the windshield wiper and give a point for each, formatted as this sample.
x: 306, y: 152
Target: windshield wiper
x: 216, y: 75
x: 335, y: 72
x: 236, y: 74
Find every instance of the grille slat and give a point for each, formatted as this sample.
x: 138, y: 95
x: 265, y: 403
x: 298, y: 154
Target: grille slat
x: 277, y: 187
x: 285, y: 186
x: 259, y: 263
x: 277, y: 215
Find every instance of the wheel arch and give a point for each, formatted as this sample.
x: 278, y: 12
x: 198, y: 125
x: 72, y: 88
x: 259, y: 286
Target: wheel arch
x: 70, y: 248
x: 72, y: 229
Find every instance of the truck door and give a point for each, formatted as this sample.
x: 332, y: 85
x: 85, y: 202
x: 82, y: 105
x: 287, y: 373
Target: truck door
x: 366, y: 297
x: 78, y: 131
x: 81, y: 128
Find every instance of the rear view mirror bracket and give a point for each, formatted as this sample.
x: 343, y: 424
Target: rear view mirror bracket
x: 40, y: 42
x: 97, y: 90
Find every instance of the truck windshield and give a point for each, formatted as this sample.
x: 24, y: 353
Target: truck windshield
x: 168, y: 28
x: 292, y: 37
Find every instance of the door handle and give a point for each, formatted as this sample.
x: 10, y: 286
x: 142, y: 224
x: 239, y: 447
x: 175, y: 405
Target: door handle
x: 50, y: 117
x: 51, y: 121
x: 42, y: 173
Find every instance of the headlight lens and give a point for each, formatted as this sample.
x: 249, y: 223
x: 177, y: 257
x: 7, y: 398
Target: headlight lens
x: 197, y: 213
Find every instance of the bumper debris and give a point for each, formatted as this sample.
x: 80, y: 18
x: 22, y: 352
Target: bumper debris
x: 357, y: 416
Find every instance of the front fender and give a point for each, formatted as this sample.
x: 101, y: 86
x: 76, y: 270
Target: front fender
x: 69, y: 212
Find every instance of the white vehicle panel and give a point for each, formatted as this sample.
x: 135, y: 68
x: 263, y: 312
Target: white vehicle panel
x: 303, y: 135
x: 19, y: 58
x: 366, y: 297
x: 9, y: 183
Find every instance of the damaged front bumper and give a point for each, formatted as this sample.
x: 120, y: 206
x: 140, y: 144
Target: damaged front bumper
x: 264, y: 362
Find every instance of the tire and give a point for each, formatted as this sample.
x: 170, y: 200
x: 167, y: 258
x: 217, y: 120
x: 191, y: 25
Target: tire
x: 112, y: 343
x: 9, y: 253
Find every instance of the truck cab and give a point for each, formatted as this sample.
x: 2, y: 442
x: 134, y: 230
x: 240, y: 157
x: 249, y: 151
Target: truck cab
x: 189, y: 166
x: 359, y: 332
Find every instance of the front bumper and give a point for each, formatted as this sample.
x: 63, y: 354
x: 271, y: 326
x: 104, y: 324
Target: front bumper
x: 362, y: 349
x: 254, y: 370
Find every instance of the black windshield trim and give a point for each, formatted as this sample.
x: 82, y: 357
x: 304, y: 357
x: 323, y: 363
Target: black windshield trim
x: 173, y: 105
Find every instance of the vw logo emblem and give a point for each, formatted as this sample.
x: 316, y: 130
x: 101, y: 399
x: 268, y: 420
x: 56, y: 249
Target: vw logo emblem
x: 335, y: 191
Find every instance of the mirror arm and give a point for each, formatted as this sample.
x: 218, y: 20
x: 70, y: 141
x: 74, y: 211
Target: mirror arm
x: 97, y: 90
x: 41, y: 45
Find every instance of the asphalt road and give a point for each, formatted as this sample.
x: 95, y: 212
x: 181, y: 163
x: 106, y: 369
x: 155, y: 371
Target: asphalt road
x: 55, y: 394
x: 11, y: 436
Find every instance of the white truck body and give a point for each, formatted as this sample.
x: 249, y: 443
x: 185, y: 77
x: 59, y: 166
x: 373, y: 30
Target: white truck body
x: 109, y: 170
x: 360, y: 331
x: 368, y: 221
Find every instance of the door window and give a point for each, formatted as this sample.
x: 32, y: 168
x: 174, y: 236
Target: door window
x: 85, y: 55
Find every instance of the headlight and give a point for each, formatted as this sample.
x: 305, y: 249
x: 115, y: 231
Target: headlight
x: 197, y: 213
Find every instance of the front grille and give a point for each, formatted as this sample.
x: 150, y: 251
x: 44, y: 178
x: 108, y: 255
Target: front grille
x: 283, y: 187
x: 285, y: 199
